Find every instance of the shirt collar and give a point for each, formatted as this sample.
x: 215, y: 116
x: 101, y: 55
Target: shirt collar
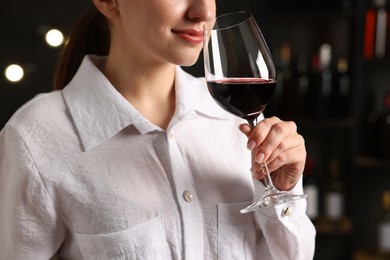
x: 192, y: 95
x: 99, y: 111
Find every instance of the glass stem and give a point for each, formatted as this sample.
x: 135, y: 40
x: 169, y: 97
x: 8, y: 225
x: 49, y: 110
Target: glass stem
x: 269, y: 185
x: 267, y: 180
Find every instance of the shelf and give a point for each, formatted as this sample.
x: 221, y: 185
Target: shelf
x: 302, y: 14
x: 377, y: 63
x: 305, y: 27
x: 371, y: 254
x: 371, y: 162
x: 333, y: 227
x: 327, y: 123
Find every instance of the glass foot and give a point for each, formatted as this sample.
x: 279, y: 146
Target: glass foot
x: 272, y: 198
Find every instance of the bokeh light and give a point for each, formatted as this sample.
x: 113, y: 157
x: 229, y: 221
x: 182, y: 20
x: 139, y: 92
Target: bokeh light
x: 54, y: 37
x: 14, y: 73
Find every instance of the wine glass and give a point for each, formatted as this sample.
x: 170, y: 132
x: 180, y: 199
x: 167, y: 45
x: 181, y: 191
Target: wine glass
x: 241, y: 77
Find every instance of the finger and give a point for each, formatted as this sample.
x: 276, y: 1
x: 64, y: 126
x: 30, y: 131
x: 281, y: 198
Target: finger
x: 277, y: 136
x: 292, y: 158
x: 257, y: 171
x: 295, y: 141
x: 292, y: 151
x: 286, y: 178
x: 245, y: 129
x: 260, y: 131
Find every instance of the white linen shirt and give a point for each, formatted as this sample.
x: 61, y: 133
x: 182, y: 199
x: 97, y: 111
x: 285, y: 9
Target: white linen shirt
x: 83, y: 175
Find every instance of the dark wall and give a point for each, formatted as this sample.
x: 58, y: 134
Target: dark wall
x: 23, y: 24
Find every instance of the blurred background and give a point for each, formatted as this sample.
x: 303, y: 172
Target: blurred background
x: 333, y: 61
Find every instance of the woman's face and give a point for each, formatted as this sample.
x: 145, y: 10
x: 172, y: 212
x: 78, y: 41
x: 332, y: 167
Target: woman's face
x: 162, y: 30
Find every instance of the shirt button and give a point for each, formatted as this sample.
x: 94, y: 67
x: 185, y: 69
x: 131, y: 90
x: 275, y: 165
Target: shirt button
x: 188, y: 196
x: 171, y: 135
x: 287, y: 211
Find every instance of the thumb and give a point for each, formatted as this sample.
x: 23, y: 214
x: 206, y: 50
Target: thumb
x: 245, y: 129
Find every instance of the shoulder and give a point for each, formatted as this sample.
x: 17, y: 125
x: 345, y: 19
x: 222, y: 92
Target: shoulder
x: 39, y: 113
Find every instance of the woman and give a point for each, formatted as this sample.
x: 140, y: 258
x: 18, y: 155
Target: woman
x: 132, y: 159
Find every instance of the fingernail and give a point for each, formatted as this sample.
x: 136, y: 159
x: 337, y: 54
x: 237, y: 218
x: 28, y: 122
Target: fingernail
x: 255, y: 167
x: 260, y: 157
x: 256, y: 175
x: 251, y: 145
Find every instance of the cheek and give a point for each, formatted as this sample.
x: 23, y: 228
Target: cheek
x: 153, y: 16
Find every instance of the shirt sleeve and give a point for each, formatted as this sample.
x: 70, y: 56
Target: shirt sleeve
x: 286, y: 236
x: 30, y: 227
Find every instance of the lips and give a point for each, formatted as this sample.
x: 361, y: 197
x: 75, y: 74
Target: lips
x: 190, y: 35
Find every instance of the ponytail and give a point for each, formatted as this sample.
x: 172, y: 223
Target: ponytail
x: 89, y: 36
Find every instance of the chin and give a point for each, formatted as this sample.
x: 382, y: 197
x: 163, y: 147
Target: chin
x: 187, y: 58
x: 188, y: 61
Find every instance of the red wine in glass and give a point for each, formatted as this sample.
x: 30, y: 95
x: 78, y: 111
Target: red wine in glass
x: 243, y: 97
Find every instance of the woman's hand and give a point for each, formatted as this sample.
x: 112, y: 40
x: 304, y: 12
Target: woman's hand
x: 278, y: 143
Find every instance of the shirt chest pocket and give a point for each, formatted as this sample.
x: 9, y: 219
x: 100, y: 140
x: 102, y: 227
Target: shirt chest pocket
x: 236, y: 232
x: 144, y: 241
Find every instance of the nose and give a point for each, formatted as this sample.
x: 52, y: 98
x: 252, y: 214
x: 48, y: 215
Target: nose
x: 201, y: 10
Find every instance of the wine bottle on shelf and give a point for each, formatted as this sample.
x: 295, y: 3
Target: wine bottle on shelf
x: 387, y: 37
x: 311, y: 102
x: 341, y: 90
x: 326, y: 79
x: 310, y: 187
x: 301, y: 83
x: 385, y: 128
x: 369, y: 32
x: 384, y: 223
x: 274, y: 106
x: 334, y: 194
x: 381, y: 28
x: 371, y: 128
x: 278, y: 104
x: 321, y: 83
x: 288, y: 91
x: 376, y: 30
